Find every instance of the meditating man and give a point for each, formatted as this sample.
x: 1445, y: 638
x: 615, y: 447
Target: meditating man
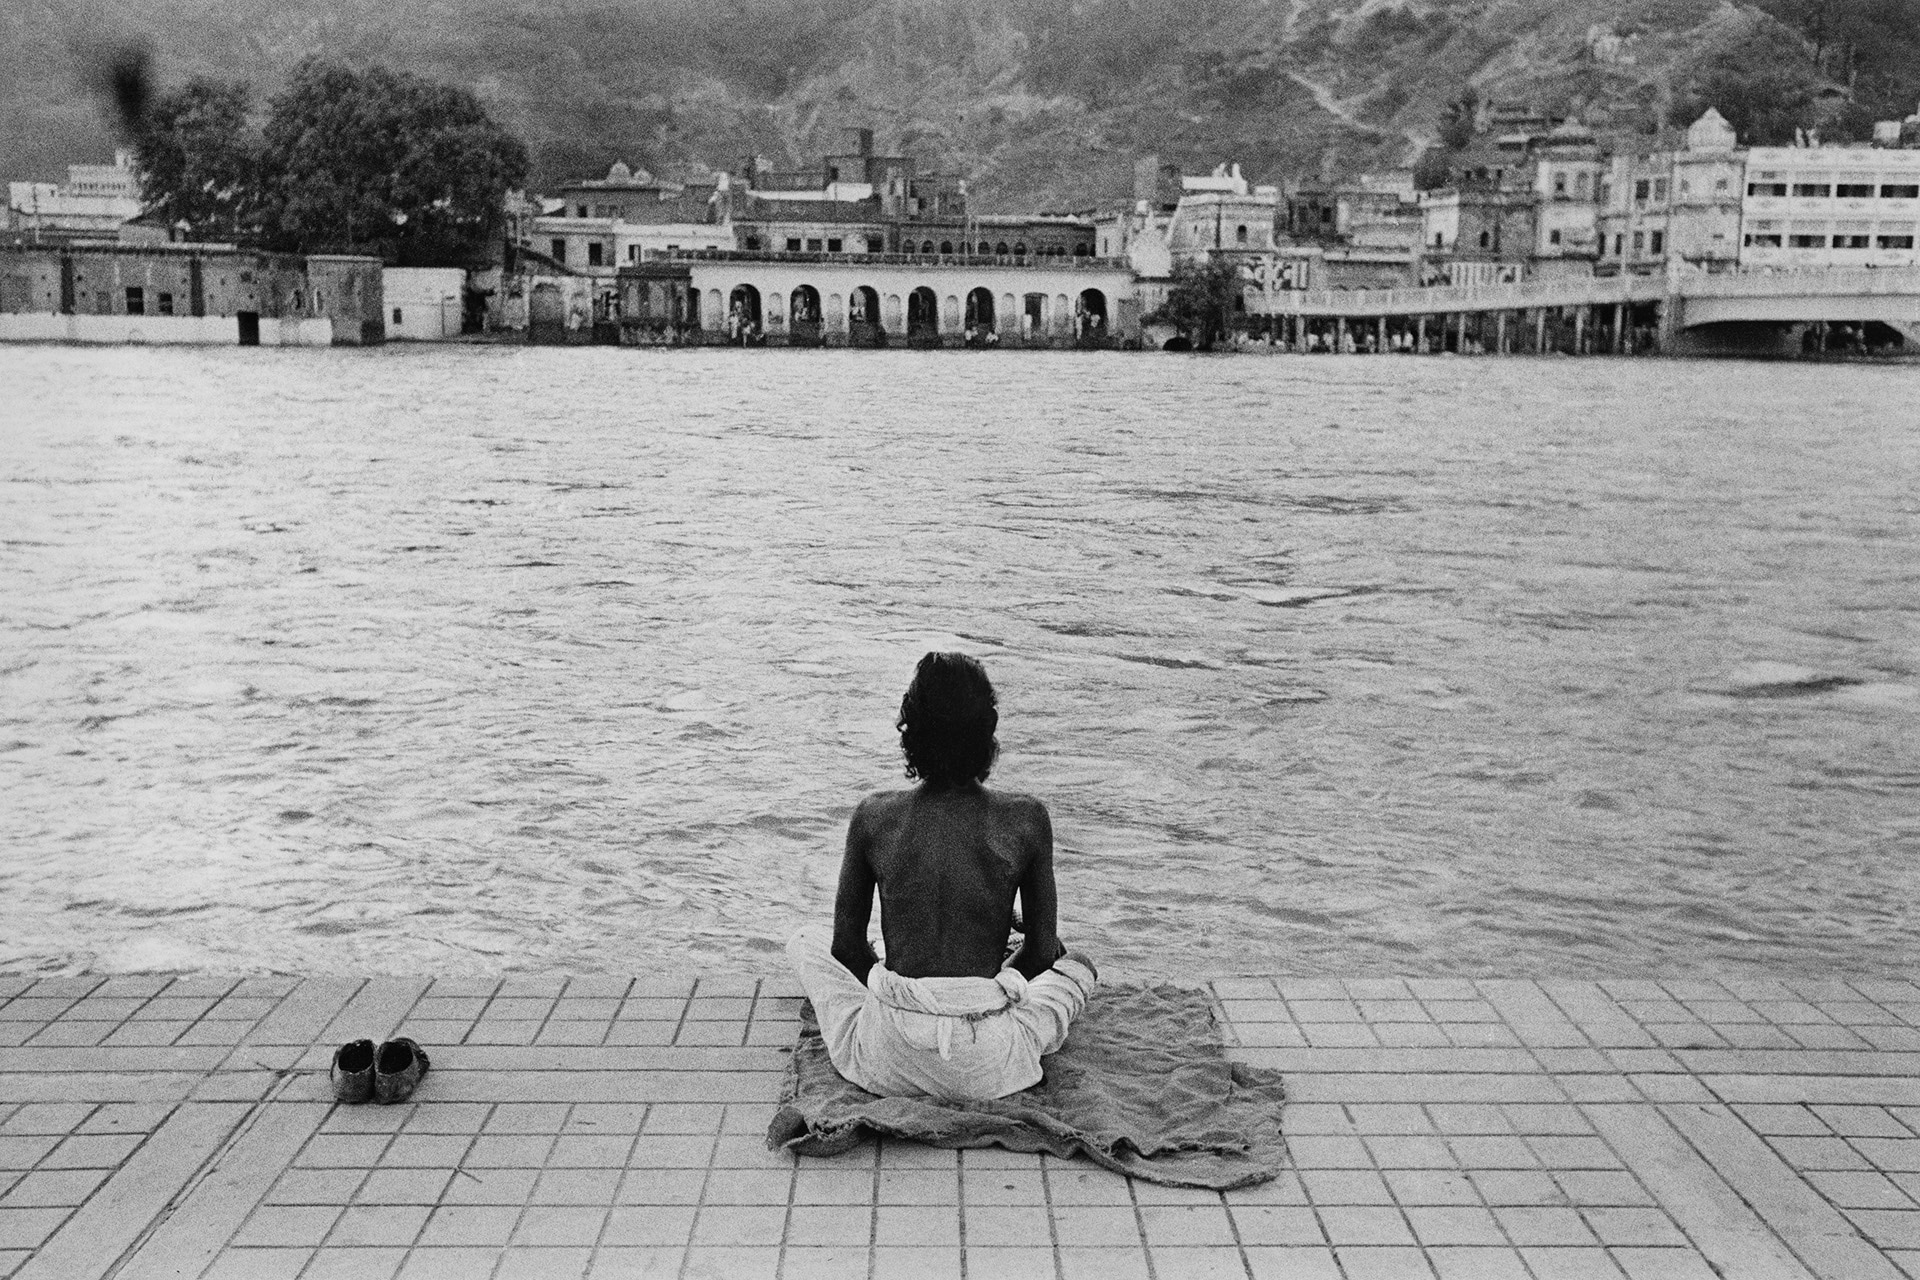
x: 947, y: 1014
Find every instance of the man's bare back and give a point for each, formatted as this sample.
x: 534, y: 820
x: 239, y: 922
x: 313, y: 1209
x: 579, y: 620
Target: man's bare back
x: 947, y: 860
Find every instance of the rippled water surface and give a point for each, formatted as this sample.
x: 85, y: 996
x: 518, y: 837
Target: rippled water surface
x: 483, y: 658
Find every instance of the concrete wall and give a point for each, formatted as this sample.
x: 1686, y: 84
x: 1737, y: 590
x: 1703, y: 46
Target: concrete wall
x: 209, y: 331
x: 423, y: 304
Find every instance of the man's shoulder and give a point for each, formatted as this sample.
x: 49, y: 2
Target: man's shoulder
x: 879, y: 805
x: 1019, y: 806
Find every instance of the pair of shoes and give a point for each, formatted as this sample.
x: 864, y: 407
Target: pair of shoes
x: 386, y: 1074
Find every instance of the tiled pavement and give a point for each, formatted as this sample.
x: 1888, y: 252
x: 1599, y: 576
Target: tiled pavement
x: 179, y: 1127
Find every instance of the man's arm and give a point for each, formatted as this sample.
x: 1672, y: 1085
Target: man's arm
x: 853, y: 901
x: 1039, y: 903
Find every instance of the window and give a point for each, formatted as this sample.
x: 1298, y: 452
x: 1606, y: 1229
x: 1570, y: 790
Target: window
x: 1326, y: 216
x: 594, y: 253
x: 166, y: 303
x: 1900, y: 191
x: 1853, y: 190
x: 1685, y: 187
x: 946, y: 246
x: 926, y: 246
x: 1485, y: 239
x: 1656, y: 241
x: 1240, y: 235
x: 1894, y: 242
x: 1806, y: 242
x: 1852, y: 242
x: 793, y: 244
x: 1812, y: 190
x: 1001, y: 249
x: 1719, y: 184
x: 1020, y: 249
x: 581, y: 211
x: 1766, y: 188
x: 1660, y: 189
x: 753, y: 244
x: 136, y: 302
x: 1763, y: 241
x: 396, y: 315
x: 1553, y: 237
x: 1581, y: 185
x: 1639, y: 242
x: 1619, y: 246
x: 1640, y: 190
x: 1438, y: 241
x: 633, y: 253
x: 559, y: 248
x: 1560, y: 185
x: 833, y: 246
x: 813, y: 246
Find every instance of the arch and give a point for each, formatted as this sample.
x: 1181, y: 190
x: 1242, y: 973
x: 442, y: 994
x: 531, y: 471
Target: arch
x: 980, y: 314
x: 1020, y: 249
x: 946, y: 248
x: 743, y: 314
x: 1000, y: 250
x: 863, y: 318
x: 1033, y: 316
x: 926, y: 246
x: 1083, y: 251
x: 803, y: 316
x: 1090, y: 316
x: 715, y: 314
x: 923, y: 316
x: 1240, y: 234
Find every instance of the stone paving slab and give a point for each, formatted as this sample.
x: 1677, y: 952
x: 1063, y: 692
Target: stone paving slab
x: 594, y: 1126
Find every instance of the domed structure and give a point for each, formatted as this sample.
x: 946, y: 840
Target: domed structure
x: 1711, y: 132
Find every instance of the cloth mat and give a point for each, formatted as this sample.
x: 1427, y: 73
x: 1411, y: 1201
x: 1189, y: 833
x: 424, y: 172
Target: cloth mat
x: 1141, y: 1086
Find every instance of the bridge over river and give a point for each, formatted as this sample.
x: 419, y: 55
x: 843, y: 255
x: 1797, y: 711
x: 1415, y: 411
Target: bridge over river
x: 1690, y: 313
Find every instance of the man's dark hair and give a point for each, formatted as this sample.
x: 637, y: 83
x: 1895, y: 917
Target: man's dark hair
x: 947, y: 720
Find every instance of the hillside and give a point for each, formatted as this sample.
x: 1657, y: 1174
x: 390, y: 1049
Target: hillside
x: 1040, y: 103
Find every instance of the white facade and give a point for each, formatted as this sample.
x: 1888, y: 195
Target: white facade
x: 95, y: 197
x: 1830, y: 207
x: 601, y: 246
x: 424, y: 304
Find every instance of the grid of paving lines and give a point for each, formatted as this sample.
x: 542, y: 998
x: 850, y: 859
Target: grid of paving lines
x: 53, y: 1156
x: 710, y: 1012
x: 135, y: 1010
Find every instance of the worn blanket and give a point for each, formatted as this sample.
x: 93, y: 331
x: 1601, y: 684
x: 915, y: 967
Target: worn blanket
x: 1142, y: 1086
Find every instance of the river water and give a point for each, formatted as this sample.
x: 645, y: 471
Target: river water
x: 481, y: 658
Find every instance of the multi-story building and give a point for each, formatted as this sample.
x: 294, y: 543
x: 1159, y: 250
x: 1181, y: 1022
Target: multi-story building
x: 1703, y: 220
x: 596, y: 224
x: 1830, y: 207
x: 1360, y: 234
x: 97, y: 201
x: 1179, y: 218
x: 1633, y: 222
x: 1569, y: 181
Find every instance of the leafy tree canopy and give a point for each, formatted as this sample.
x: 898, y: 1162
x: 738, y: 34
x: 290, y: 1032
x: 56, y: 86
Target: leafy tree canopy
x: 374, y: 162
x: 199, y: 161
x: 1201, y: 299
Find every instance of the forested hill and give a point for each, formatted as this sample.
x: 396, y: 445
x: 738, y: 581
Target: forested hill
x: 1042, y: 104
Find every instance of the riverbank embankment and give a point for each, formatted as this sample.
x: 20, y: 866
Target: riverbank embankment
x: 155, y: 1125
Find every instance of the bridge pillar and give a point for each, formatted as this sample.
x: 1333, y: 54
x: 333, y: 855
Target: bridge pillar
x: 1668, y: 320
x: 1580, y: 331
x: 1380, y: 335
x: 1339, y: 335
x: 1500, y: 334
x: 1619, y: 328
x: 1539, y: 330
x: 1420, y: 334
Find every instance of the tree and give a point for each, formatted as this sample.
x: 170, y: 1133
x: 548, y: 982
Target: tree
x: 1459, y: 120
x: 1766, y: 88
x: 386, y: 162
x: 199, y: 160
x: 1202, y: 298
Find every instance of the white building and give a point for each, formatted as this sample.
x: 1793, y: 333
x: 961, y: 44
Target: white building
x: 95, y: 199
x: 1222, y: 211
x: 1830, y: 207
x: 424, y: 304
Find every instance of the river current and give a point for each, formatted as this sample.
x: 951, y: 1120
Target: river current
x: 479, y: 658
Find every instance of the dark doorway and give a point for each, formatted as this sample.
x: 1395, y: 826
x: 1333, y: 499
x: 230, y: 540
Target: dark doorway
x: 863, y: 319
x: 923, y: 317
x: 249, y: 328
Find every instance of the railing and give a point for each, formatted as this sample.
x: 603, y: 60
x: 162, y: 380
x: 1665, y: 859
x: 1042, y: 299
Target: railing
x: 1031, y: 262
x: 1585, y: 290
x: 1815, y: 281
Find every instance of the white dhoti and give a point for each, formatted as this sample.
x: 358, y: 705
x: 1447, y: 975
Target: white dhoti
x: 961, y: 1039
